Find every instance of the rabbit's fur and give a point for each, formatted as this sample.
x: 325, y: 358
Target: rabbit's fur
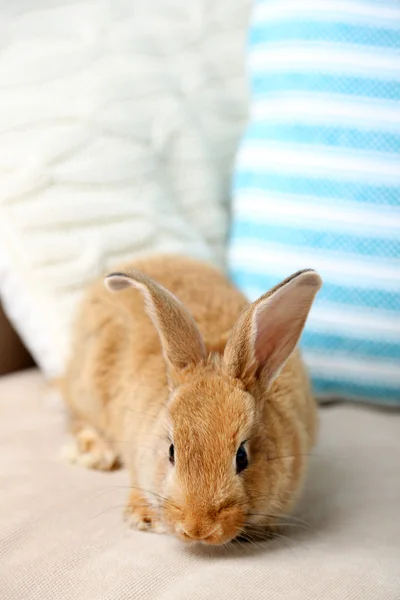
x: 206, y: 373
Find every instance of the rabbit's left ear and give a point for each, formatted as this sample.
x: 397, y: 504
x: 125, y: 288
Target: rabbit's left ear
x: 267, y: 332
x: 180, y: 338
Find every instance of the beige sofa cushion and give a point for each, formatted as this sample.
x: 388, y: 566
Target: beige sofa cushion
x: 62, y: 537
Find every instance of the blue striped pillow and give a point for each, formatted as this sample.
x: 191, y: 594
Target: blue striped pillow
x: 317, y: 182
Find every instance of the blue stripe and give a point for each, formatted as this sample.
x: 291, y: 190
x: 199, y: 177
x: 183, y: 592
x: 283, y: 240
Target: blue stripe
x: 286, y: 183
x: 301, y: 30
x: 266, y: 84
x: 336, y: 136
x: 281, y: 81
x: 353, y: 347
x: 347, y: 296
x: 303, y: 235
x: 371, y: 393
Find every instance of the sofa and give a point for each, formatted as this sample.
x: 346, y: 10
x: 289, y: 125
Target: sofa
x: 63, y: 537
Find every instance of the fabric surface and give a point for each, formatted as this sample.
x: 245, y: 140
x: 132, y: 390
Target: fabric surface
x: 118, y: 125
x: 318, y: 182
x: 62, y: 537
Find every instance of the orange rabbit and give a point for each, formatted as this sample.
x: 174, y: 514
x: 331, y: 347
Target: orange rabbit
x: 202, y: 396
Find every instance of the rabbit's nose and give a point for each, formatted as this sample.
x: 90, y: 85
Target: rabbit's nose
x: 198, y: 532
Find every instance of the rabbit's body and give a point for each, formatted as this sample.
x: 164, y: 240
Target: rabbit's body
x: 118, y: 389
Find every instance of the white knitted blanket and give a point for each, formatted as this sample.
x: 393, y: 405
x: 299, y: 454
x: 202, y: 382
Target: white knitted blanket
x: 118, y: 125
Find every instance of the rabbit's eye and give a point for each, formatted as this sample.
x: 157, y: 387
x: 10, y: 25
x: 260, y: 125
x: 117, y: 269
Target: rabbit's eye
x: 242, y: 460
x: 172, y: 454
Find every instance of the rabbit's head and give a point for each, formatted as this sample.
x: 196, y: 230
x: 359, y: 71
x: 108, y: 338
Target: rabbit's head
x: 213, y: 462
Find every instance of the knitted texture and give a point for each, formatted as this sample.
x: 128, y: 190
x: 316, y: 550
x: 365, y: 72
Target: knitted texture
x: 118, y: 125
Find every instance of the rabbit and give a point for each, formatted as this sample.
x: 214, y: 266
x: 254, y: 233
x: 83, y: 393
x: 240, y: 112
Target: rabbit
x: 202, y: 396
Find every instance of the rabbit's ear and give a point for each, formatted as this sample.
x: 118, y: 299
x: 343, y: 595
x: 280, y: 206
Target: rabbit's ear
x: 267, y: 332
x: 180, y: 338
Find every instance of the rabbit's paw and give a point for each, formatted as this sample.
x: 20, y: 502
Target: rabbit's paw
x: 88, y: 449
x: 139, y: 515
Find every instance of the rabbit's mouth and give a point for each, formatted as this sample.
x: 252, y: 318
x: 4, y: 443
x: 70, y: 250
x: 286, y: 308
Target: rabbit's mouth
x: 211, y: 537
x: 223, y: 527
x: 215, y: 538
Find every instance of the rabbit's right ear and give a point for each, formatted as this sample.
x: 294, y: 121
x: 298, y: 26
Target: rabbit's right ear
x: 180, y: 338
x: 267, y: 332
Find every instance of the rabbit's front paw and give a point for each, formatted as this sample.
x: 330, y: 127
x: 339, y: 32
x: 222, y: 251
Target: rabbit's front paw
x: 140, y: 515
x: 88, y: 449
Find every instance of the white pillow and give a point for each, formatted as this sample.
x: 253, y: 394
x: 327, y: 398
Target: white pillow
x: 118, y: 125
